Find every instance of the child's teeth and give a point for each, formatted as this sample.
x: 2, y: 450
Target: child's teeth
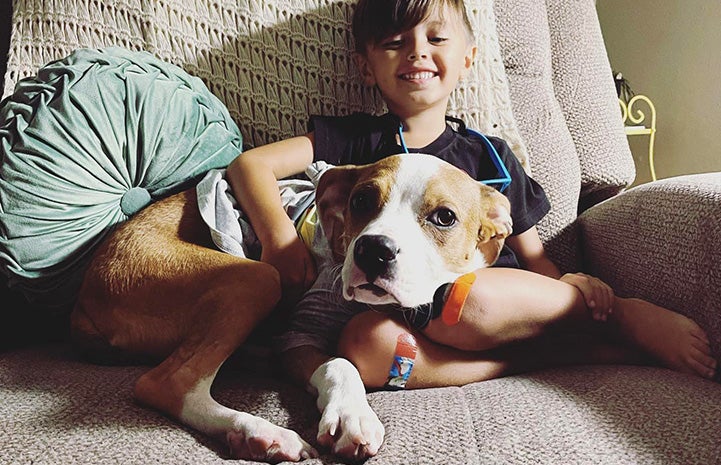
x: 425, y: 75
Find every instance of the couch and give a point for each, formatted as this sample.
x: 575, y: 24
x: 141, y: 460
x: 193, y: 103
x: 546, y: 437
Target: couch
x: 543, y: 81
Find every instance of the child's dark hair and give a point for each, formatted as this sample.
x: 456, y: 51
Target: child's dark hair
x: 374, y: 20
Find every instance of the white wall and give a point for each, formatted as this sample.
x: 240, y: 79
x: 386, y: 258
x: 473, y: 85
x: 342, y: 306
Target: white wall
x: 670, y: 50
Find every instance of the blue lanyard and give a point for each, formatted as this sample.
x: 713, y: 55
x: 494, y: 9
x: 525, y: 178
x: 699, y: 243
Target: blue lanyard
x: 504, y: 180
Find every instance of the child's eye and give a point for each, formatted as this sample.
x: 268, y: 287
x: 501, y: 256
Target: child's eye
x: 391, y: 44
x: 437, y: 40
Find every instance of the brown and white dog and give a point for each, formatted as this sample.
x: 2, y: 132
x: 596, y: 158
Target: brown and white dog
x: 157, y: 289
x: 401, y: 227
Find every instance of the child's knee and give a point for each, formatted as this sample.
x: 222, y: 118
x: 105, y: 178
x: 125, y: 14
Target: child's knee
x: 369, y: 341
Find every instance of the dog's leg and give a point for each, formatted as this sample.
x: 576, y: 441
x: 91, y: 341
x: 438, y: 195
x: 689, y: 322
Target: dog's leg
x: 180, y: 385
x: 152, y: 290
x: 348, y: 424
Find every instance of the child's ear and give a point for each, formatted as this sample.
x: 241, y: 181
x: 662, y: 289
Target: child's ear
x: 364, y: 68
x: 469, y: 57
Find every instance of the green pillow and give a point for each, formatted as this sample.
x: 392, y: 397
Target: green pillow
x: 85, y: 144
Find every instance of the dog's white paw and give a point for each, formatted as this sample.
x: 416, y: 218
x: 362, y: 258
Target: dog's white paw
x: 348, y: 425
x: 261, y: 440
x: 352, y: 430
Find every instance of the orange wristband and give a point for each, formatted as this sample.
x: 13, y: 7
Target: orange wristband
x: 453, y: 308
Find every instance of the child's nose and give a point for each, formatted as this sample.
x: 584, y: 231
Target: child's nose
x: 413, y: 56
x: 417, y: 50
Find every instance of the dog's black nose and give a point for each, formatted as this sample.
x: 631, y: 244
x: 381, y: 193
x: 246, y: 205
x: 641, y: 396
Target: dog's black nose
x: 374, y: 254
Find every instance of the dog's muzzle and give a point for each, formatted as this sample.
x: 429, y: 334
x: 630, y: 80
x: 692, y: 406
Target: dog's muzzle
x: 375, y: 255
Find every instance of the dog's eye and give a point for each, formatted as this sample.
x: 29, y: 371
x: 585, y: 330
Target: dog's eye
x: 360, y: 202
x: 443, y: 217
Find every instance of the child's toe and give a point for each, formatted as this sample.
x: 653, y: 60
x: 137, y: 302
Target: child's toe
x: 703, y: 364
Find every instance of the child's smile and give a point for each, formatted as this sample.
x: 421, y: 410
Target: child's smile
x: 418, y: 77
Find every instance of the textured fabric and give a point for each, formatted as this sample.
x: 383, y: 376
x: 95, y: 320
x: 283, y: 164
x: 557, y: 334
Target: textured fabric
x: 660, y: 241
x: 584, y: 88
x: 57, y: 409
x: 86, y: 143
x: 597, y: 415
x: 526, y: 48
x: 320, y: 316
x: 272, y: 63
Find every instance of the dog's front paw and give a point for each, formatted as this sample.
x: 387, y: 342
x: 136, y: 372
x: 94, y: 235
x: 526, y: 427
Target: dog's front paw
x: 352, y: 431
x: 348, y: 425
x: 261, y: 440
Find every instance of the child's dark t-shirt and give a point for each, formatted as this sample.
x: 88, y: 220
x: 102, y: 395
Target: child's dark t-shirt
x: 362, y: 138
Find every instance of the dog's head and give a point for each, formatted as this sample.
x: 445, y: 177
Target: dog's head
x: 407, y: 224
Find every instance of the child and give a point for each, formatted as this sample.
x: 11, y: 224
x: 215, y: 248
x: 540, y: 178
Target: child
x: 415, y: 52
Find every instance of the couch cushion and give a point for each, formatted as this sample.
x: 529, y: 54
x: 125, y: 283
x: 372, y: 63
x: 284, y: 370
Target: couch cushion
x: 659, y: 241
x: 57, y: 409
x: 583, y: 84
x: 597, y: 414
x: 525, y: 43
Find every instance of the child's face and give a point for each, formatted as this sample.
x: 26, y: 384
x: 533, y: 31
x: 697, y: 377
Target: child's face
x: 418, y: 69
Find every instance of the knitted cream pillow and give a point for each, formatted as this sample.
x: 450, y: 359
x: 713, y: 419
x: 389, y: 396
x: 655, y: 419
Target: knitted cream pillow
x: 273, y: 63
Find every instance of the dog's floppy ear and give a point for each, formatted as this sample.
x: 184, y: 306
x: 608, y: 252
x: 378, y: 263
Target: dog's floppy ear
x: 332, y: 194
x: 496, y: 223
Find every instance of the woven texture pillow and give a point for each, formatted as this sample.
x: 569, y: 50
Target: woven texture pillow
x: 273, y: 63
x: 86, y: 143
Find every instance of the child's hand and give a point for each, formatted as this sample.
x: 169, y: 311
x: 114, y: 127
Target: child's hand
x: 598, y: 295
x: 295, y: 265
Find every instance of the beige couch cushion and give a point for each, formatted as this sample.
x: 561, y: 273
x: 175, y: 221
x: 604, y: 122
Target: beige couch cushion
x: 58, y: 410
x: 526, y: 48
x: 659, y: 241
x: 583, y: 84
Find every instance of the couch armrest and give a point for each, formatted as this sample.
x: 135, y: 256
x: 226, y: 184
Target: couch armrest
x: 662, y: 242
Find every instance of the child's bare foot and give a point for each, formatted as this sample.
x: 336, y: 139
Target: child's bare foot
x: 673, y: 339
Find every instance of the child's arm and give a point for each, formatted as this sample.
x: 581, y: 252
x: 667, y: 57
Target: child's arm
x: 531, y: 254
x: 504, y: 305
x: 532, y: 257
x: 253, y: 177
